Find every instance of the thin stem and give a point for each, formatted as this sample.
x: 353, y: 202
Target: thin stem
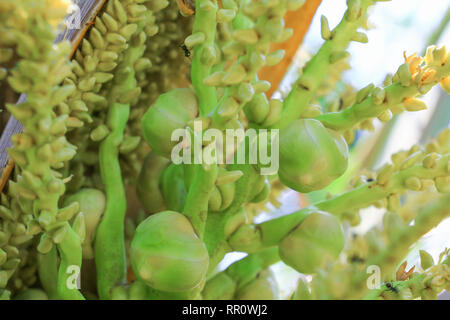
x: 109, y: 240
x: 110, y: 235
x: 205, y: 22
x: 367, y: 194
x: 196, y: 207
x: 319, y: 66
x: 367, y: 109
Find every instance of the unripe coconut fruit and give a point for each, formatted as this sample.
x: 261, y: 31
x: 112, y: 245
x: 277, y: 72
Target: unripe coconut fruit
x: 172, y: 110
x: 316, y: 240
x: 166, y: 253
x: 311, y: 156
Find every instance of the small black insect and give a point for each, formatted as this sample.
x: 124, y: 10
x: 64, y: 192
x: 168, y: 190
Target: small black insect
x: 370, y: 180
x: 356, y: 259
x: 391, y: 287
x: 187, y: 53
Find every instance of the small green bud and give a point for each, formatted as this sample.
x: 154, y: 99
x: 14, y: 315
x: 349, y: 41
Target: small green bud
x: 364, y: 93
x: 108, y: 56
x: 261, y: 86
x: 100, y: 26
x: 338, y: 55
x: 214, y: 79
x: 385, y: 116
x: 3, y: 278
x: 411, y: 160
x: 274, y: 115
x: 208, y: 55
x: 227, y: 191
x: 79, y: 226
x: 226, y: 177
x: 93, y: 98
x: 110, y: 22
x: 258, y: 108
x: 378, y: 95
x: 121, y: 14
x: 360, y: 37
x: 45, y: 244
x: 245, y: 92
x: 129, y: 144
x: 275, y: 57
x: 73, y: 122
x: 257, y: 60
x: 86, y: 47
x: 228, y: 107
x: 68, y: 212
x: 413, y: 183
x: 430, y: 160
x: 215, y: 201
x: 385, y: 174
x: 96, y: 38
x: 325, y: 28
x: 61, y: 93
x: 440, y: 56
x: 404, y: 75
x: 78, y: 105
x: 142, y: 64
x: 106, y: 66
x: 442, y: 184
x: 195, y: 39
x: 426, y: 260
x: 234, y: 75
x: 3, y: 257
x: 116, y: 38
x: 246, y: 36
x: 128, y: 30
x: 59, y: 234
x: 225, y: 15
x: 393, y: 202
x: 208, y: 6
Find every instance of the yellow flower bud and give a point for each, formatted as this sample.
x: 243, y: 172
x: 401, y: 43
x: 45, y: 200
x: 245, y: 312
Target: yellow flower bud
x: 412, y: 104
